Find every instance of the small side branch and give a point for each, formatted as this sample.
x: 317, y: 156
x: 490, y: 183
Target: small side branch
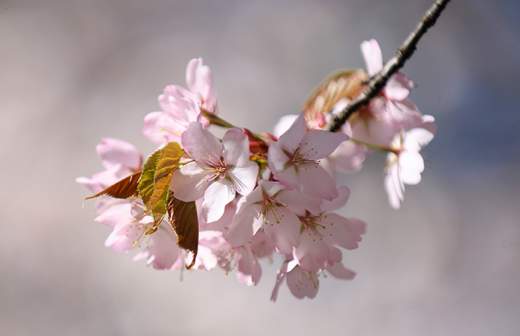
x: 403, y: 54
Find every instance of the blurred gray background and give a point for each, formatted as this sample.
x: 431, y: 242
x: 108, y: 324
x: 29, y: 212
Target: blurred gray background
x: 74, y: 71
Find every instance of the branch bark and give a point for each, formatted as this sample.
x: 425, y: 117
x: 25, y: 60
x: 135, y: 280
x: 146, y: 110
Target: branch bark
x: 403, y: 54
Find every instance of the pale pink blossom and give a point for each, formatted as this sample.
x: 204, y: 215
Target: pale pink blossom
x: 218, y: 170
x: 128, y: 224
x: 405, y: 164
x: 320, y: 236
x: 119, y: 158
x: 267, y: 208
x: 200, y: 82
x: 303, y: 283
x: 181, y: 106
x: 294, y: 159
x: 391, y: 111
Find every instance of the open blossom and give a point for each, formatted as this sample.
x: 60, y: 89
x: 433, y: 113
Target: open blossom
x: 321, y: 234
x: 294, y: 159
x: 267, y: 208
x: 119, y: 158
x: 389, y: 112
x: 217, y: 170
x: 303, y: 283
x: 181, y: 106
x: 405, y: 164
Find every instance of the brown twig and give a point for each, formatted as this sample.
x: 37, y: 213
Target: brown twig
x: 378, y: 82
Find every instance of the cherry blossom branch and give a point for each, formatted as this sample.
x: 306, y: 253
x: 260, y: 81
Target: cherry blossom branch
x: 403, y: 54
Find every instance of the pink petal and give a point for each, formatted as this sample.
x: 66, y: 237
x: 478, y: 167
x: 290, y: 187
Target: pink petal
x: 162, y: 251
x: 190, y: 182
x: 373, y: 56
x: 302, y: 283
x: 244, y: 178
x: 216, y: 197
x: 125, y: 235
x: 280, y: 277
x: 249, y: 270
x: 291, y: 139
x: 240, y: 231
x: 348, y: 157
x: 318, y: 144
x: 202, y: 145
x: 277, y: 157
x: 287, y: 177
x: 393, y: 186
x: 338, y: 202
x: 411, y: 166
x: 117, y: 152
x: 398, y: 87
x: 199, y: 80
x: 179, y: 103
x: 417, y: 138
x: 116, y: 214
x: 298, y: 202
x: 162, y: 128
x: 342, y: 231
x: 312, y: 252
x: 316, y: 182
x: 284, y: 227
x: 339, y: 271
x: 284, y: 124
x: 236, y: 147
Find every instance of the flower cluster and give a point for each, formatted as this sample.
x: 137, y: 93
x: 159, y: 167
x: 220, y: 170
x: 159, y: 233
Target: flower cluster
x: 231, y: 202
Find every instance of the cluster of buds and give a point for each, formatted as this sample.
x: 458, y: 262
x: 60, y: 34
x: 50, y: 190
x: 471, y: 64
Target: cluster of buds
x: 204, y: 202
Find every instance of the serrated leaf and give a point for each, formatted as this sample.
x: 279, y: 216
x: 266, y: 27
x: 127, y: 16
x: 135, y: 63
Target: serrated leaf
x: 156, y: 177
x: 184, y: 221
x: 345, y: 84
x: 124, y: 188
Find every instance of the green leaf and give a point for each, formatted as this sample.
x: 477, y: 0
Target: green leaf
x: 154, y: 183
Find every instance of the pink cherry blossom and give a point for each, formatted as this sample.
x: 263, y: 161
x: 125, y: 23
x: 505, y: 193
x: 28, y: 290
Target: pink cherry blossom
x: 294, y: 159
x: 391, y: 111
x: 267, y: 208
x: 218, y: 170
x: 303, y: 283
x: 200, y: 82
x: 405, y: 164
x: 119, y: 158
x: 182, y: 106
x: 320, y: 236
x: 128, y: 224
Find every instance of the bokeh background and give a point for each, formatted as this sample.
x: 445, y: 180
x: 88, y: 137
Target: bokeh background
x: 74, y: 71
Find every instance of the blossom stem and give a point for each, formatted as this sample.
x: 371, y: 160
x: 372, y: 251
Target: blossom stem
x: 378, y: 82
x: 218, y: 121
x: 380, y: 148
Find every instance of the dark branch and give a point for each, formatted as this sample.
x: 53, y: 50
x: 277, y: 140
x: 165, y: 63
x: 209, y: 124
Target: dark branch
x: 378, y: 82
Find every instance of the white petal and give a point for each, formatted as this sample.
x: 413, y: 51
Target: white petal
x: 411, y: 166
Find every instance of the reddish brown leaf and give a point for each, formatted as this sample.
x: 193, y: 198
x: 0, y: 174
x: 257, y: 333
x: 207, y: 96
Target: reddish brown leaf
x: 184, y: 221
x: 124, y: 188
